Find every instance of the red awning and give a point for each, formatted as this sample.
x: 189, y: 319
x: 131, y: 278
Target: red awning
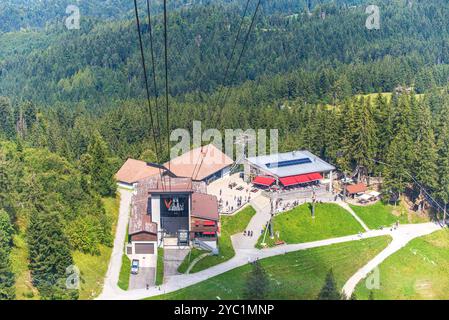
x: 264, y: 181
x: 303, y: 178
x: 288, y: 181
x: 315, y: 176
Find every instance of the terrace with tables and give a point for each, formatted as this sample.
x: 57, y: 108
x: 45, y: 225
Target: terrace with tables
x: 232, y: 193
x: 299, y: 172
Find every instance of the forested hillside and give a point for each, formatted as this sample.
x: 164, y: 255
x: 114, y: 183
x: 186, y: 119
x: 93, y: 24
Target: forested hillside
x: 101, y: 62
x: 35, y: 14
x: 56, y: 206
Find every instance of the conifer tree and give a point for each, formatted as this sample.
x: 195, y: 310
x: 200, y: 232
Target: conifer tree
x: 7, y: 278
x: 399, y: 155
x: 99, y: 167
x: 363, y: 135
x: 257, y: 283
x: 425, y: 154
x: 347, y: 125
x: 443, y: 157
x: 383, y: 116
x: 7, y: 118
x: 329, y: 290
x: 399, y: 158
x: 49, y: 255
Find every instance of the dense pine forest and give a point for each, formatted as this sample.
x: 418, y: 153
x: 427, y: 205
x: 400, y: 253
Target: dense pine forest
x: 72, y: 105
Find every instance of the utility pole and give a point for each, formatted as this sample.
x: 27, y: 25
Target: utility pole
x: 270, y: 226
x: 313, y: 202
x: 243, y: 141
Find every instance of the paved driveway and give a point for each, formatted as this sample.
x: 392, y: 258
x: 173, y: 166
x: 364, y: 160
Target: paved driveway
x: 172, y: 260
x: 112, y: 275
x: 146, y: 276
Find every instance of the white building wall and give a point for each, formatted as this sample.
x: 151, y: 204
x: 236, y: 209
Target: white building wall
x: 156, y: 213
x: 126, y: 186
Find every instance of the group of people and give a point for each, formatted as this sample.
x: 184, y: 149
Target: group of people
x: 237, y: 202
x: 248, y: 233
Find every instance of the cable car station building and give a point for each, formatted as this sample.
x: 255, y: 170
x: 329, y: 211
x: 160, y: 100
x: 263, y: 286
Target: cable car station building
x: 170, y: 212
x: 170, y: 206
x: 290, y: 170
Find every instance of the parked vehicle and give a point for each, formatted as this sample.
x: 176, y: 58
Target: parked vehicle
x: 135, y: 267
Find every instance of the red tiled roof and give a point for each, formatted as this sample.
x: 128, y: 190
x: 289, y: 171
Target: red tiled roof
x: 199, y: 163
x: 140, y: 221
x: 135, y: 170
x: 204, y: 206
x: 356, y: 188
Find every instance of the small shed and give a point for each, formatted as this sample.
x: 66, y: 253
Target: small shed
x: 353, y: 189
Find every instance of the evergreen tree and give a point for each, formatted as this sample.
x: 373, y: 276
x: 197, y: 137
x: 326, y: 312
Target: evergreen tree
x: 443, y: 157
x: 399, y: 155
x: 383, y: 117
x: 329, y: 291
x: 341, y: 88
x: 424, y: 80
x: 49, y: 255
x: 7, y: 118
x: 399, y: 158
x: 7, y: 278
x: 100, y: 169
x: 363, y: 146
x: 344, y: 158
x: 6, y: 229
x: 425, y: 155
x: 257, y: 283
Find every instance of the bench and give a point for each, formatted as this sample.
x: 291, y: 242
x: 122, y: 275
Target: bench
x: 279, y: 243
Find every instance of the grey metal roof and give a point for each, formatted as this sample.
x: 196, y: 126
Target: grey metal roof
x: 315, y: 165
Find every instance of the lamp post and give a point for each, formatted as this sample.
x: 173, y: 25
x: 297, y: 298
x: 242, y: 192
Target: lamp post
x: 313, y: 202
x: 340, y: 156
x: 344, y: 186
x: 271, y: 219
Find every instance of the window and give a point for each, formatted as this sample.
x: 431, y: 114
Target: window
x: 288, y: 163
